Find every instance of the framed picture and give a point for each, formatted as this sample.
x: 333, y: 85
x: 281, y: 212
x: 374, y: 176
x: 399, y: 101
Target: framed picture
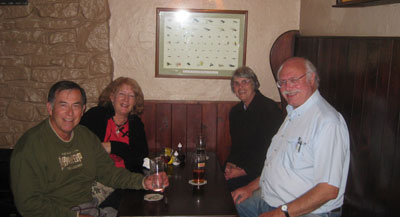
x: 363, y: 3
x: 13, y: 2
x: 194, y: 43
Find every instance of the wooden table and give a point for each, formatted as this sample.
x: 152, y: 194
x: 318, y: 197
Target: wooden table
x: 183, y: 199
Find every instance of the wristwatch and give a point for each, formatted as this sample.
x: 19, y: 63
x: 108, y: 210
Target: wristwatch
x: 285, y: 210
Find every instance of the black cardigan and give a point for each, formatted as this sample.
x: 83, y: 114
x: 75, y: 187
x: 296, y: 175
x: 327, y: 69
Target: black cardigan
x: 133, y: 153
x: 252, y: 131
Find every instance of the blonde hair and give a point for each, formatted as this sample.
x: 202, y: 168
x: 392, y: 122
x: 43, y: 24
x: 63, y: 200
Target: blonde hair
x: 114, y: 86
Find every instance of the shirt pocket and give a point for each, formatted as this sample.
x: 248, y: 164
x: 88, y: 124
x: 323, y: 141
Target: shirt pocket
x: 296, y: 156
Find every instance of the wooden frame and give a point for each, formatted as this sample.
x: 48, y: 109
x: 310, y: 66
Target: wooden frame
x: 197, y: 43
x: 363, y: 3
x: 13, y: 2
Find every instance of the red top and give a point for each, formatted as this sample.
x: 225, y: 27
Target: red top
x: 118, y: 134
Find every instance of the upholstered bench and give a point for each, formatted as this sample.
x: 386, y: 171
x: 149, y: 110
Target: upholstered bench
x: 7, y: 207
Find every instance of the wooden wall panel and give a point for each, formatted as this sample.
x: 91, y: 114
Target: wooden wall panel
x: 194, y: 125
x: 169, y: 122
x: 179, y: 128
x: 209, y: 125
x: 223, y: 135
x: 149, y: 120
x: 163, y: 126
x: 360, y: 77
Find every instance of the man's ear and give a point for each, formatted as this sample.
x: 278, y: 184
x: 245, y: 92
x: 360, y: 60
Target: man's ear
x: 313, y: 82
x: 49, y: 108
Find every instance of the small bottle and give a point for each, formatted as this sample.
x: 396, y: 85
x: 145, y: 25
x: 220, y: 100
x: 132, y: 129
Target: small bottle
x: 181, y: 155
x: 176, y: 159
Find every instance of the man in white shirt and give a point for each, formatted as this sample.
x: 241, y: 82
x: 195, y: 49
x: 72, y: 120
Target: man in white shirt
x: 307, y: 163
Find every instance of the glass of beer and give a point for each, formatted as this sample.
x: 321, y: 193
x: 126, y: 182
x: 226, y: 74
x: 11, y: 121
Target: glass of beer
x: 157, y: 167
x: 199, y: 166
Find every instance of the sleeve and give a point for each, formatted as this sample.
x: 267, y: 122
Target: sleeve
x: 29, y: 195
x: 134, y: 153
x: 330, y: 150
x: 109, y: 175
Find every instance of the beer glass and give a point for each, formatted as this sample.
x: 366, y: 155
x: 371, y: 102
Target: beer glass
x: 157, y: 167
x: 199, y: 166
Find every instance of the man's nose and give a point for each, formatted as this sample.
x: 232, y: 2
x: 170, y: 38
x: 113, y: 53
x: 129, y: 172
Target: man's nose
x: 70, y: 111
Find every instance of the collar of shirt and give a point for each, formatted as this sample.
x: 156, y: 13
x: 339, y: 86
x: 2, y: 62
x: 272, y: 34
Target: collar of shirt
x: 293, y: 112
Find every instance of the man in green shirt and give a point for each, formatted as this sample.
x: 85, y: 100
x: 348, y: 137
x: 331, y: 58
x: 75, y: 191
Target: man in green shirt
x: 55, y: 163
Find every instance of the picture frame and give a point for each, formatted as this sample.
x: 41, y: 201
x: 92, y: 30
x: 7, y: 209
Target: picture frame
x: 200, y: 43
x: 363, y: 3
x: 13, y: 2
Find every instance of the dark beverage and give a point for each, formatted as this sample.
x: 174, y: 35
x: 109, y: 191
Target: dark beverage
x: 198, y: 175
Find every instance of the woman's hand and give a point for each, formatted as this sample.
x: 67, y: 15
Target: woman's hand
x: 233, y: 171
x: 107, y: 146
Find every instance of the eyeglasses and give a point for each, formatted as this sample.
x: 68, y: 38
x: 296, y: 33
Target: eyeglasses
x: 292, y: 81
x: 244, y: 82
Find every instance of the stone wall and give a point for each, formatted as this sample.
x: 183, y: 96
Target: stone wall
x: 44, y: 42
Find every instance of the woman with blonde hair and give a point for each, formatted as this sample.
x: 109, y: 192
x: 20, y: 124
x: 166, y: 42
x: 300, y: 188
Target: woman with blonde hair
x: 117, y: 124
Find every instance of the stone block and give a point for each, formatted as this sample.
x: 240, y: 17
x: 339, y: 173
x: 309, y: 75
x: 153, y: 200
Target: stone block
x: 24, y: 35
x: 101, y: 64
x: 12, y: 73
x: 19, y: 48
x: 3, y: 106
x: 46, y: 74
x: 94, y: 37
x: 95, y: 86
x: 62, y: 49
x: 65, y: 24
x: 31, y: 23
x: 7, y: 25
x: 62, y: 37
x: 58, y: 10
x: 44, y: 60
x: 7, y: 91
x: 95, y: 9
x: 22, y: 111
x: 72, y: 74
x: 11, y: 61
x: 77, y: 60
x: 31, y: 95
x: 42, y: 109
x: 6, y: 140
x: 13, y: 11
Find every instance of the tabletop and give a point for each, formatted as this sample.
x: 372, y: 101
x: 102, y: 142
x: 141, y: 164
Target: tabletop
x: 182, y: 198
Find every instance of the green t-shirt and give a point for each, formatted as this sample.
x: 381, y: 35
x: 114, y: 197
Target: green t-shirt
x: 50, y: 176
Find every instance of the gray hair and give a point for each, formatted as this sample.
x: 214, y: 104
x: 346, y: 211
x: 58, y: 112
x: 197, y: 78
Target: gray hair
x: 308, y: 65
x: 245, y: 72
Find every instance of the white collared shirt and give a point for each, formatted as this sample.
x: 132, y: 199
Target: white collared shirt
x: 311, y: 147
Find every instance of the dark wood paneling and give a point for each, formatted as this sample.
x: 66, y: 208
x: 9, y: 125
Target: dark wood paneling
x: 360, y: 77
x: 163, y: 126
x: 169, y: 122
x: 194, y: 125
x: 223, y: 135
x: 149, y: 120
x: 179, y: 129
x: 209, y: 125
